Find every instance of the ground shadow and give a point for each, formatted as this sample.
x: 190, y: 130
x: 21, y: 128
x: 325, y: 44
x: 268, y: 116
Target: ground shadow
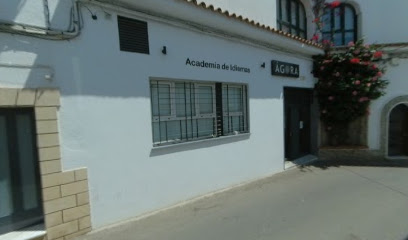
x: 326, y: 164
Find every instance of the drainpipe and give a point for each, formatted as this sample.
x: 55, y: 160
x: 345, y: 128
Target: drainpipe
x: 47, y: 32
x: 47, y: 14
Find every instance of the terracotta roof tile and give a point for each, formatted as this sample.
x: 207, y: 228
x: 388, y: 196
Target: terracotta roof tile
x: 251, y: 22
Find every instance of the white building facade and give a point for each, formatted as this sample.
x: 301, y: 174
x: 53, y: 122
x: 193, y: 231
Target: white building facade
x: 135, y: 106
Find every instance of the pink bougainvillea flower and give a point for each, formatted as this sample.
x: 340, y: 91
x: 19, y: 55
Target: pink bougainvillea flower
x: 356, y: 52
x: 363, y: 99
x: 379, y: 74
x: 351, y: 44
x: 331, y: 98
x: 334, y: 4
x: 355, y: 60
x: 326, y: 42
x: 374, y: 66
x: 378, y: 54
x: 355, y: 93
x: 368, y: 84
x: 374, y: 79
x: 366, y: 63
x: 358, y: 82
x: 315, y: 37
x: 316, y: 20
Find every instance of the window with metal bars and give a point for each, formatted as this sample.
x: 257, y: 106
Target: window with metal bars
x: 189, y: 111
x: 292, y: 17
x: 340, y: 25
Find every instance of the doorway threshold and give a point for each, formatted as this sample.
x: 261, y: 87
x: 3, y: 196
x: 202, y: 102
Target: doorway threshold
x: 300, y: 161
x: 28, y: 233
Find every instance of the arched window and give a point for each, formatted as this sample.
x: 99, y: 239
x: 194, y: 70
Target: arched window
x: 292, y: 17
x: 340, y: 25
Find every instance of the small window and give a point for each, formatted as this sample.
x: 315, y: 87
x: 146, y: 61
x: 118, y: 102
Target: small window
x: 292, y: 17
x: 340, y: 25
x: 20, y: 190
x: 133, y: 35
x: 188, y: 111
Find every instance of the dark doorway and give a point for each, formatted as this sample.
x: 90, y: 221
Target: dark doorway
x: 398, y: 131
x: 298, y: 124
x: 20, y: 189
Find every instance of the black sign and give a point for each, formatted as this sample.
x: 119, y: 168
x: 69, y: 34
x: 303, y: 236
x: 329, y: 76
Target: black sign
x: 285, y: 69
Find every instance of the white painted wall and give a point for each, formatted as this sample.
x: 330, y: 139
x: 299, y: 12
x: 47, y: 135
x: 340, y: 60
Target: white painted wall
x: 397, y: 75
x: 263, y: 11
x: 105, y: 118
x: 23, y: 11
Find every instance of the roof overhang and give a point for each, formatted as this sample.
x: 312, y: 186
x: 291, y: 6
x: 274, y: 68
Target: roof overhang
x: 217, y: 21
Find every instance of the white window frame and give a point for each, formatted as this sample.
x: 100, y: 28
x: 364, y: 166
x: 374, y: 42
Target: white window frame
x: 242, y: 113
x: 172, y: 104
x: 173, y: 116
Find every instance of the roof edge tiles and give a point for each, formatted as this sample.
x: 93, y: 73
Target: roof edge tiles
x: 241, y: 18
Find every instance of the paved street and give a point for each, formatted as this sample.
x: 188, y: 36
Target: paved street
x: 317, y: 203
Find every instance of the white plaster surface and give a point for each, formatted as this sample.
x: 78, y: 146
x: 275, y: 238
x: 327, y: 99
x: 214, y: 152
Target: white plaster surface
x: 105, y: 118
x: 398, y: 87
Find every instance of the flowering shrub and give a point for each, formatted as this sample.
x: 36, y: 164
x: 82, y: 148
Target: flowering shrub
x: 319, y: 9
x: 347, y: 81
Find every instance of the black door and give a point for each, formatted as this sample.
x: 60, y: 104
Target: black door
x: 398, y: 131
x: 297, y: 122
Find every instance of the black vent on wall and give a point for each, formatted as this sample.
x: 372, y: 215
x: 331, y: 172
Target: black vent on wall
x: 133, y: 35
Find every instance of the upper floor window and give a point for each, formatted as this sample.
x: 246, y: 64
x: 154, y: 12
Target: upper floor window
x: 340, y: 25
x: 292, y: 17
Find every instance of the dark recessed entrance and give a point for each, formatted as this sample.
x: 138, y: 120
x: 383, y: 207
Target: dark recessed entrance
x: 398, y: 131
x: 300, y: 131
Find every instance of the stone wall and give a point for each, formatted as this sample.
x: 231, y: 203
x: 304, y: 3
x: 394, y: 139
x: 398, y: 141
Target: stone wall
x: 357, y: 133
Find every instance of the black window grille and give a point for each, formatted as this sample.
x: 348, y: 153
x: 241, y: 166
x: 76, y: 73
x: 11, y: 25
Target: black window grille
x: 292, y: 17
x: 188, y: 111
x: 133, y: 35
x: 20, y: 190
x: 340, y: 25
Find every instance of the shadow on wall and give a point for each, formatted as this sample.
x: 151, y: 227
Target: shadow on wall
x: 197, y: 145
x: 9, y: 10
x: 92, y: 64
x: 356, y: 163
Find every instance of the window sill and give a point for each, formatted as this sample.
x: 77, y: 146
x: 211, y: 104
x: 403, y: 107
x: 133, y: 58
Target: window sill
x: 28, y: 233
x: 208, y: 142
